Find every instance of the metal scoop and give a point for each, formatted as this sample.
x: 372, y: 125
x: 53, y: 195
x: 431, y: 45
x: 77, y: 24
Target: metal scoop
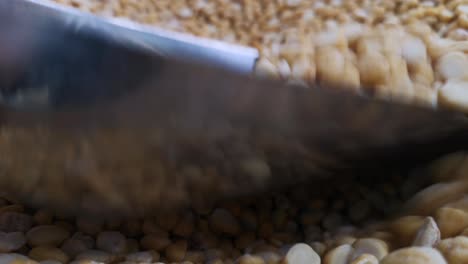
x: 108, y: 118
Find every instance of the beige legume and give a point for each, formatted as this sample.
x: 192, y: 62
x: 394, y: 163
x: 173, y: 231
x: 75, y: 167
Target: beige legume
x: 372, y: 246
x: 406, y: 228
x: 435, y: 196
x: 50, y: 262
x: 339, y: 255
x: 302, y: 254
x: 451, y: 221
x: 416, y: 255
x: 15, y: 259
x: 365, y: 259
x: 46, y: 235
x: 143, y: 257
x: 95, y: 255
x: 16, y: 208
x: 48, y: 253
x: 452, y: 66
x: 249, y: 259
x: 453, y: 95
x: 344, y: 240
x: 195, y: 256
x: 455, y: 249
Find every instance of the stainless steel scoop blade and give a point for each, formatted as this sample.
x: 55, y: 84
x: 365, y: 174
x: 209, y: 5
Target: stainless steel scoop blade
x: 108, y: 118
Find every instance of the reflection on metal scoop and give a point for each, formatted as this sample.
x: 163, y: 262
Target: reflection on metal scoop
x: 93, y: 122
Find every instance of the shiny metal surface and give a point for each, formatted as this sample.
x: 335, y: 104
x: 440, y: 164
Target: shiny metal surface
x: 50, y: 19
x: 96, y: 121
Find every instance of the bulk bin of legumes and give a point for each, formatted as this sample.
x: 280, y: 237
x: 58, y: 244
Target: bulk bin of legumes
x: 414, y: 51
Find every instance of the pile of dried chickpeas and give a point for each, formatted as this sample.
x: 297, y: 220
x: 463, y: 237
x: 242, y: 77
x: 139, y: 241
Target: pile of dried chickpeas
x: 411, y: 50
x: 407, y: 219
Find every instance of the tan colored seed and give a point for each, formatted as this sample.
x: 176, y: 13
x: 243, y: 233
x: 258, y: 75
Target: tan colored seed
x: 195, y: 256
x: 301, y: 254
x: 266, y: 69
x: 86, y: 262
x: 95, y: 255
x: 373, y: 68
x: 330, y: 64
x: 351, y: 76
x: 143, y: 257
x: 455, y: 249
x: 14, y: 258
x: 339, y: 255
x: 46, y: 235
x: 270, y: 257
x: 406, y: 228
x: 50, y: 262
x: 452, y: 66
x: 12, y: 208
x: 435, y: 196
x: 365, y: 259
x: 451, y: 221
x: 372, y: 246
x: 344, y: 240
x: 414, y: 255
x: 453, y: 95
x: 304, y: 68
x: 249, y: 259
x: 48, y: 253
